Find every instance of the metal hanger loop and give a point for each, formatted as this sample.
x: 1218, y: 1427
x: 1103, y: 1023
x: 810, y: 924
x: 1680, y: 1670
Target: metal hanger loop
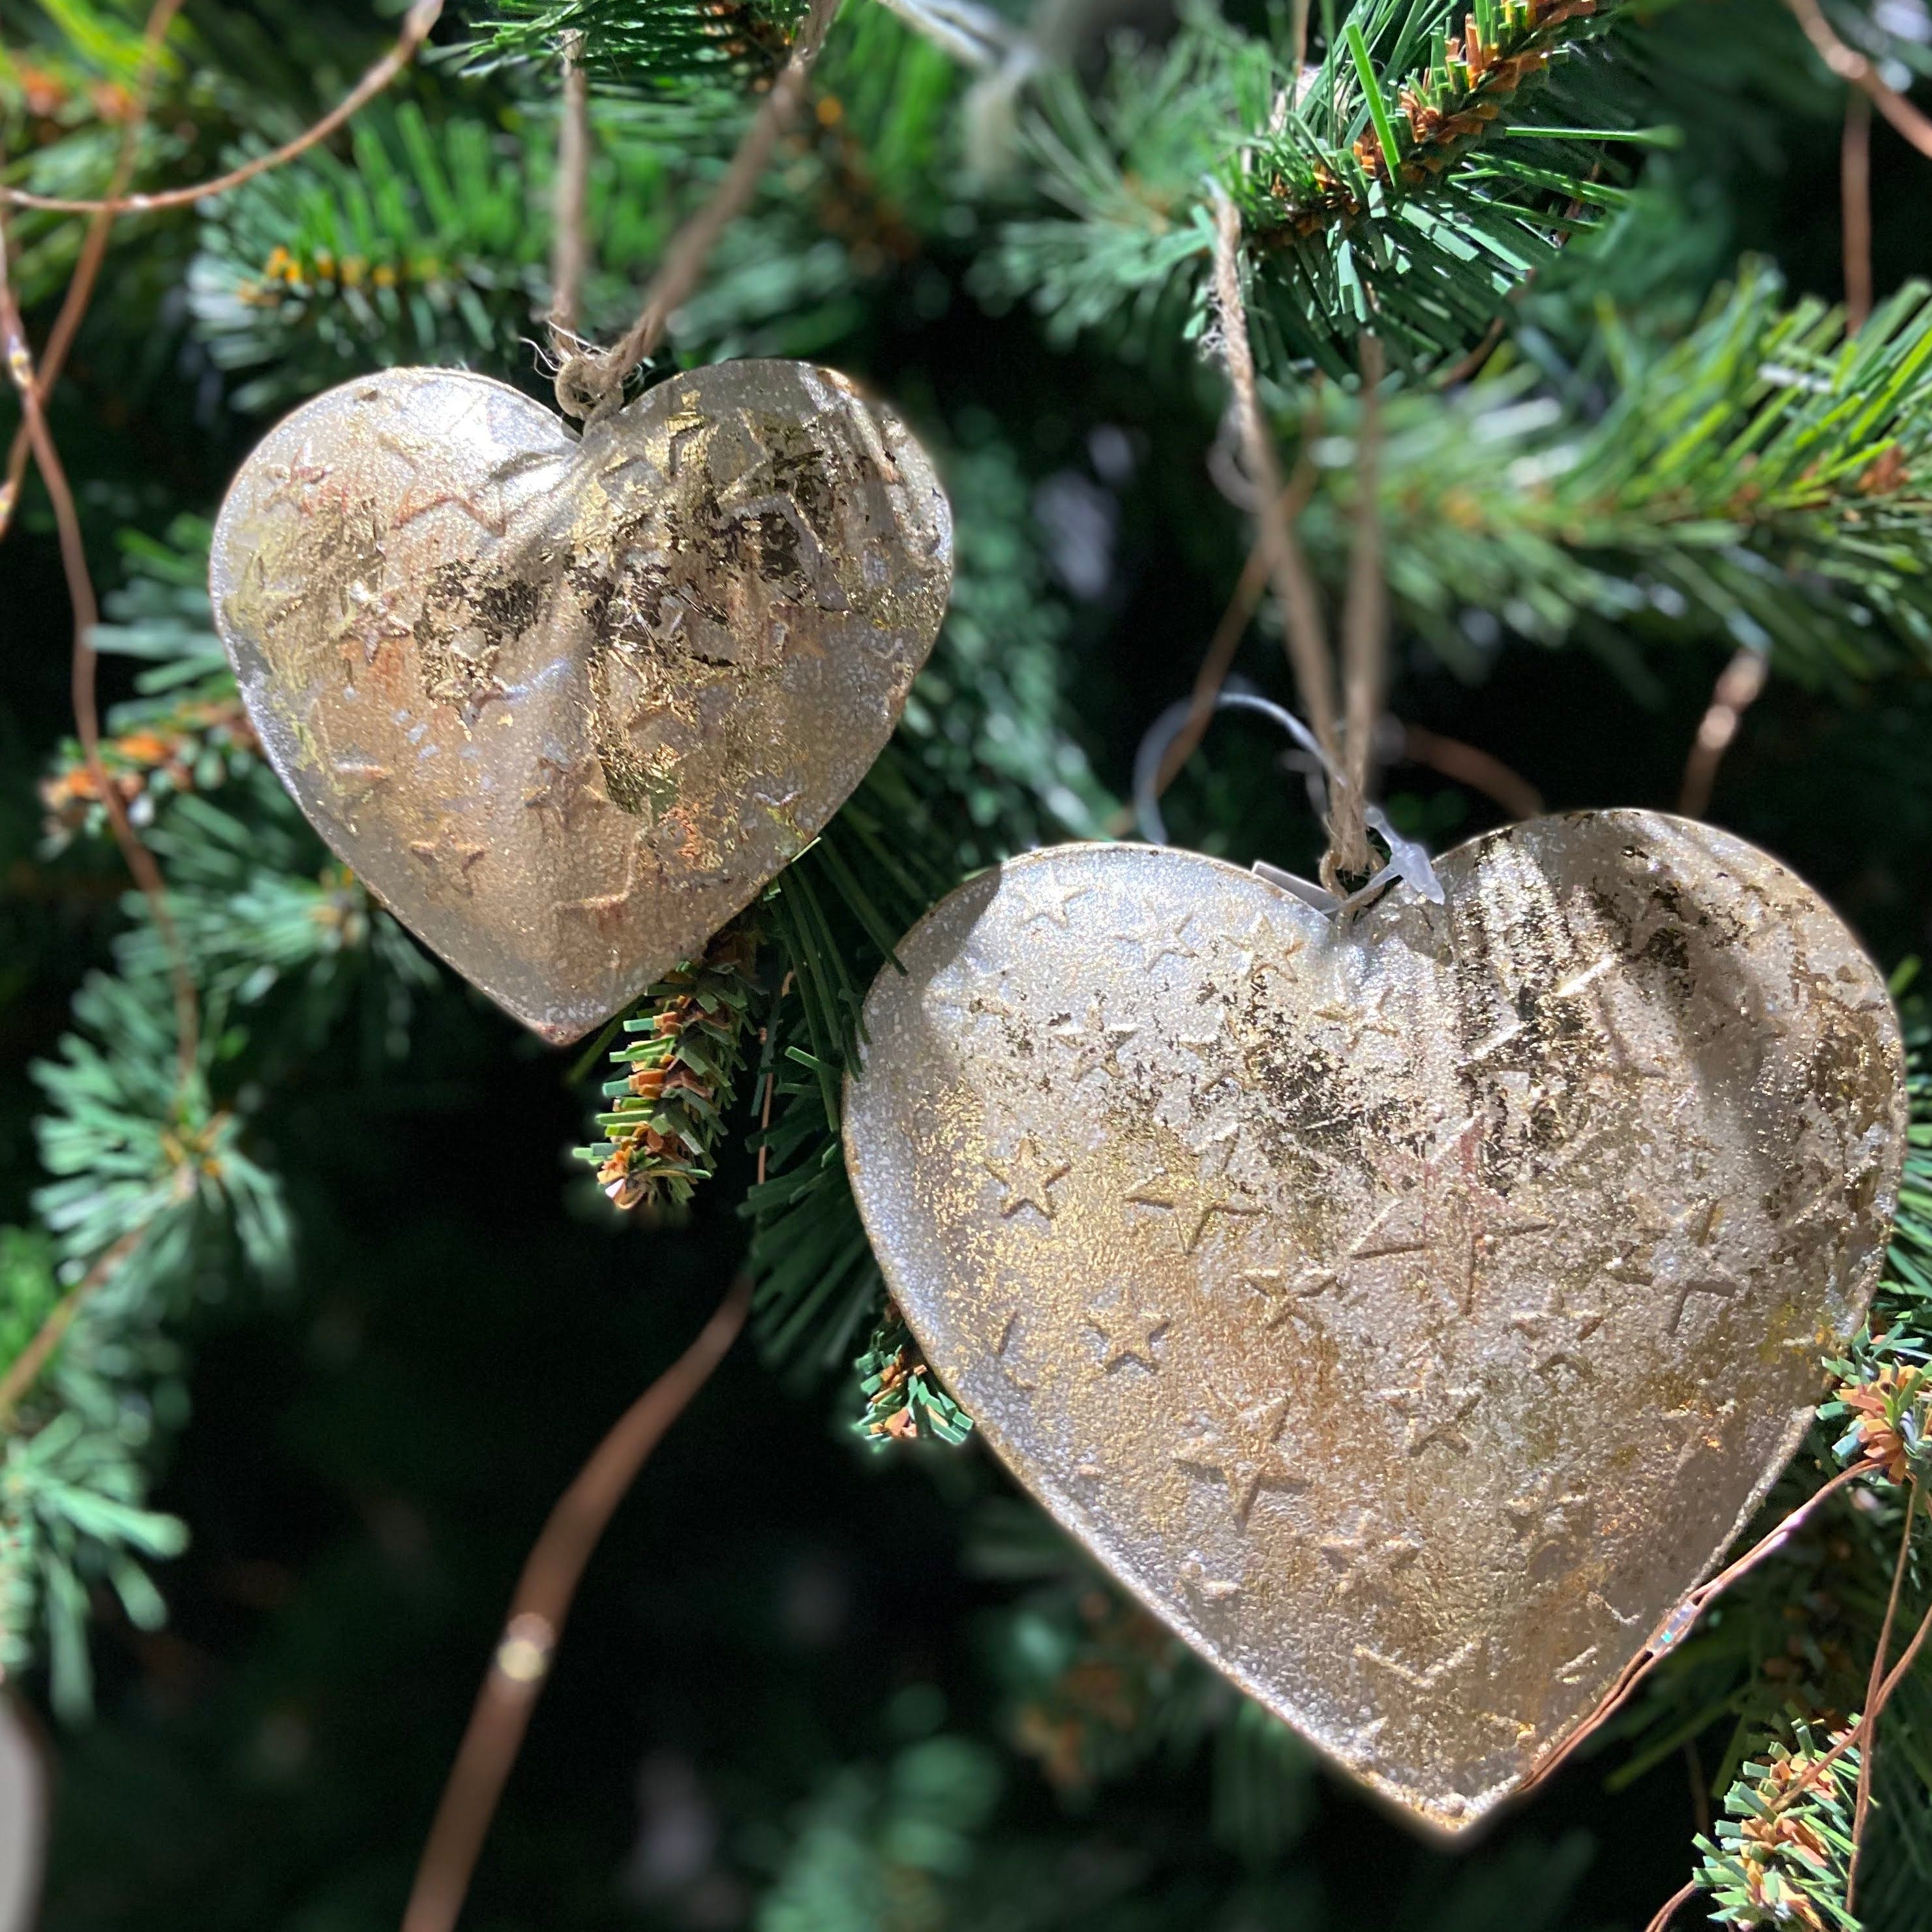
x: 1408, y: 862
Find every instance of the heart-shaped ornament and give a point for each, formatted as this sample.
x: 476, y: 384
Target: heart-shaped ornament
x: 565, y: 704
x: 1409, y: 1311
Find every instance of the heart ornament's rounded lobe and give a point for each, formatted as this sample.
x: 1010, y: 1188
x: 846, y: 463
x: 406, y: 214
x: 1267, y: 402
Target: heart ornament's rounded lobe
x: 1408, y: 1311
x: 566, y: 705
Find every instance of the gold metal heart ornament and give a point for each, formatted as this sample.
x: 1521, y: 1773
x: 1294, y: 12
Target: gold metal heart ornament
x: 566, y: 704
x: 1408, y: 1310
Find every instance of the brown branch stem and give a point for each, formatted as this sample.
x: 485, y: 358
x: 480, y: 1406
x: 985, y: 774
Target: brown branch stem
x: 1849, y: 65
x: 1737, y: 687
x: 140, y: 861
x: 1669, y: 1910
x: 1874, y: 1685
x: 93, y: 251
x: 537, y: 1609
x: 417, y: 25
x: 25, y: 1369
x: 1854, y: 199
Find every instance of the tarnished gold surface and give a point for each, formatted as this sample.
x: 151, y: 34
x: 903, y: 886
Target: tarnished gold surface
x: 1408, y: 1313
x: 566, y: 706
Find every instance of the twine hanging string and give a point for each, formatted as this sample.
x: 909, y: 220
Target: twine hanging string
x: 591, y: 383
x: 1347, y: 750
x: 569, y: 248
x: 1288, y: 568
x: 1365, y: 614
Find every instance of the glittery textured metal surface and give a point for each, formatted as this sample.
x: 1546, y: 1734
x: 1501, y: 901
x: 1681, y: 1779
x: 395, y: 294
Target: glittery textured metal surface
x: 566, y: 706
x: 1408, y: 1313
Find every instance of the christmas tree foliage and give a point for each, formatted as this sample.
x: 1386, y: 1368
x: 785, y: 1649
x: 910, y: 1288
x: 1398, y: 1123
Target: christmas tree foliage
x: 307, y: 1312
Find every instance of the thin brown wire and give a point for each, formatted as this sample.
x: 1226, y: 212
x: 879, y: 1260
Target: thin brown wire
x: 417, y: 25
x: 1669, y: 1910
x: 1855, y: 198
x: 541, y: 1602
x: 1219, y: 658
x: 1479, y: 770
x: 93, y: 250
x: 1672, y: 1630
x: 1738, y: 687
x: 1874, y: 1683
x: 1849, y: 65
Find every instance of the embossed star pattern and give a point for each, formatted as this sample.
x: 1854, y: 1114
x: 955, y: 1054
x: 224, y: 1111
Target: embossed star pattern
x: 1283, y: 1292
x: 608, y: 911
x: 1127, y: 1330
x: 370, y: 623
x: 1451, y: 1216
x: 564, y: 791
x: 1368, y: 1558
x: 1096, y: 1040
x: 1193, y: 1200
x: 1360, y: 1013
x: 1556, y: 1334
x: 450, y: 859
x: 353, y: 776
x: 1460, y: 1680
x: 1167, y: 942
x: 1042, y: 895
x: 427, y: 462
x: 296, y: 481
x: 1546, y: 1512
x: 1268, y: 952
x: 1434, y: 1411
x: 1679, y: 1262
x: 467, y: 690
x: 1212, y: 1590
x: 1240, y: 1447
x: 1028, y: 1178
x: 986, y: 993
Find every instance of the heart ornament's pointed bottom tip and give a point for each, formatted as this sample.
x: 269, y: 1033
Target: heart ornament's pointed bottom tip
x: 566, y: 706
x: 1410, y: 1312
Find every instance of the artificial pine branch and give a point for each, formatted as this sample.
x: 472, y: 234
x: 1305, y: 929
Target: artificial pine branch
x: 1443, y: 109
x: 1782, y: 1852
x: 656, y: 43
x: 1370, y: 185
x: 903, y: 1401
x: 677, y: 1072
x: 155, y: 752
x: 1763, y: 480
